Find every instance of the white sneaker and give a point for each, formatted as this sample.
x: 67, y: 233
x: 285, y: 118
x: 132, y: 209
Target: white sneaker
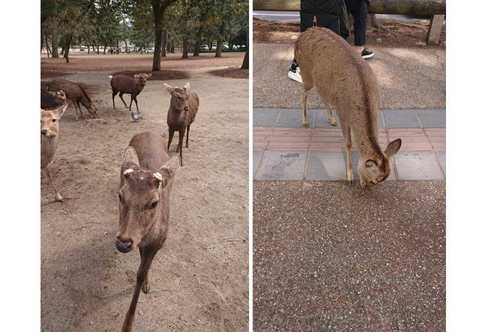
x: 295, y: 75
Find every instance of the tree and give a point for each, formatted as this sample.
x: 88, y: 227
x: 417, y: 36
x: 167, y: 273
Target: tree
x: 159, y: 7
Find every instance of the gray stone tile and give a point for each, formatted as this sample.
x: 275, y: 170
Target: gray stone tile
x: 441, y: 157
x: 293, y: 119
x: 417, y: 166
x: 401, y: 119
x: 432, y: 118
x: 321, y: 120
x: 381, y: 120
x: 257, y: 158
x: 265, y: 117
x: 325, y: 166
x: 277, y: 165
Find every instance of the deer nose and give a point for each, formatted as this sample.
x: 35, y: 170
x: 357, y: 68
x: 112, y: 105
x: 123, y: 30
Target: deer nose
x: 124, y: 246
x: 44, y: 131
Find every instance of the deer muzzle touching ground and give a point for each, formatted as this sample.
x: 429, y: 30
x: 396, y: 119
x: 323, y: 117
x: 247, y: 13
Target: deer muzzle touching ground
x: 146, y: 180
x: 346, y: 84
x: 49, y: 133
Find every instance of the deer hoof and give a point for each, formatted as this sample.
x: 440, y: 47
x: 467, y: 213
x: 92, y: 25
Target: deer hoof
x: 146, y: 288
x: 333, y: 122
x: 58, y: 197
x: 305, y: 125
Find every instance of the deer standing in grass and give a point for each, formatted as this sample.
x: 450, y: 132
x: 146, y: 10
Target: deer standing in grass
x: 181, y: 114
x: 146, y: 182
x: 346, y: 83
x: 50, y: 130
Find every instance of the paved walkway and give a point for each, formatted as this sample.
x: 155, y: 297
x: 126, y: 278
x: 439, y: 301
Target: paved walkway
x: 285, y: 151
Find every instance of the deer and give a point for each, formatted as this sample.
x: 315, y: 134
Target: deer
x: 181, y: 114
x: 50, y: 130
x: 346, y: 83
x: 146, y: 182
x: 133, y: 85
x: 76, y: 93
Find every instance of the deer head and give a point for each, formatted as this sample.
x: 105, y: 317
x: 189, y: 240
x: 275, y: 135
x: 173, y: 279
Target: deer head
x: 179, y: 96
x: 141, y: 201
x: 50, y: 120
x: 377, y: 169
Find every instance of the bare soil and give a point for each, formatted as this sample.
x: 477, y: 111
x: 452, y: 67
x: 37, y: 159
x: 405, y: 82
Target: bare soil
x: 199, y: 279
x: 392, y: 34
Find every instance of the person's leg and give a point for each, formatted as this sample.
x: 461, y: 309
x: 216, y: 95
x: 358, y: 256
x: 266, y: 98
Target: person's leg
x: 306, y: 21
x: 359, y: 10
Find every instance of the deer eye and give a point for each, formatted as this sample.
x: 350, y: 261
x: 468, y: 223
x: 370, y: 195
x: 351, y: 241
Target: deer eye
x: 54, y: 120
x: 152, y: 205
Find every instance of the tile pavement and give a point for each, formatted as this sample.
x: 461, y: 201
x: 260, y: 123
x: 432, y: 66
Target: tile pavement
x: 285, y: 151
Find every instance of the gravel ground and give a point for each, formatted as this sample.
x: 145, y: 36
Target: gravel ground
x: 328, y: 256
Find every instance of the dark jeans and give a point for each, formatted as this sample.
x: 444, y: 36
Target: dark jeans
x: 328, y: 21
x: 359, y: 11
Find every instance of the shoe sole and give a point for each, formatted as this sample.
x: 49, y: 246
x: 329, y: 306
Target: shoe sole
x: 294, y: 78
x: 368, y: 56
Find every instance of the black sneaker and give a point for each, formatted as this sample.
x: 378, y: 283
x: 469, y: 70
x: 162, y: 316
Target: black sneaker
x: 294, y: 73
x: 367, y: 54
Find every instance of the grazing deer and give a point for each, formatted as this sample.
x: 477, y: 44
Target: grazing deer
x: 181, y: 114
x: 123, y: 83
x: 77, y: 93
x: 50, y: 130
x: 346, y: 83
x: 146, y: 182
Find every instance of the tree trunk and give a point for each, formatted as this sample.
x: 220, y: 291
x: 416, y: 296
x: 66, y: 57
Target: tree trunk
x: 230, y: 44
x: 418, y: 8
x: 98, y: 49
x: 164, y: 43
x: 171, y: 46
x: 47, y: 47
x: 104, y: 49
x: 185, y: 48
x: 66, y: 47
x: 210, y: 45
x: 159, y: 7
x: 126, y: 46
x: 54, y: 31
x: 245, y: 61
x: 88, y: 48
x: 198, y: 42
x: 218, y: 51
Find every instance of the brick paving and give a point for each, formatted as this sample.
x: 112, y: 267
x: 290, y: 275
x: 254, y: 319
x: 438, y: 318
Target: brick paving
x: 283, y: 150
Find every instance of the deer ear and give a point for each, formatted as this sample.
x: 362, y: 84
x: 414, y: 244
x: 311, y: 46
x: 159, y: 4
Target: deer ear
x: 61, y: 110
x: 370, y: 163
x: 168, y: 170
x: 393, y: 147
x: 187, y: 87
x: 169, y: 88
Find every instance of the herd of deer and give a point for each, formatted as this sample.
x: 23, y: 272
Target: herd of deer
x: 343, y: 79
x: 147, y: 171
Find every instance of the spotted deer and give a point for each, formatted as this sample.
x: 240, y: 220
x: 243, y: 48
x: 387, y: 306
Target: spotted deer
x: 146, y: 181
x: 50, y: 131
x: 347, y: 84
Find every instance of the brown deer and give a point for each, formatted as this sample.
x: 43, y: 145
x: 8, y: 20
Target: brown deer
x: 133, y: 85
x: 181, y: 114
x: 50, y: 130
x: 76, y: 93
x: 146, y: 182
x: 346, y: 83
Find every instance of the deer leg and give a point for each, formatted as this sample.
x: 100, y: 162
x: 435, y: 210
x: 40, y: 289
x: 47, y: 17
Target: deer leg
x: 114, y: 93
x: 180, y: 143
x: 188, y: 132
x: 331, y: 116
x: 136, y: 103
x: 171, y: 132
x: 58, y: 196
x: 348, y: 146
x: 77, y: 104
x: 304, y: 108
x: 146, y: 262
x: 121, y: 97
x: 146, y: 285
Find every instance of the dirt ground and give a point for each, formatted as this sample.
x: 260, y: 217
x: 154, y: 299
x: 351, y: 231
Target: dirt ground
x: 392, y: 34
x: 199, y: 279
